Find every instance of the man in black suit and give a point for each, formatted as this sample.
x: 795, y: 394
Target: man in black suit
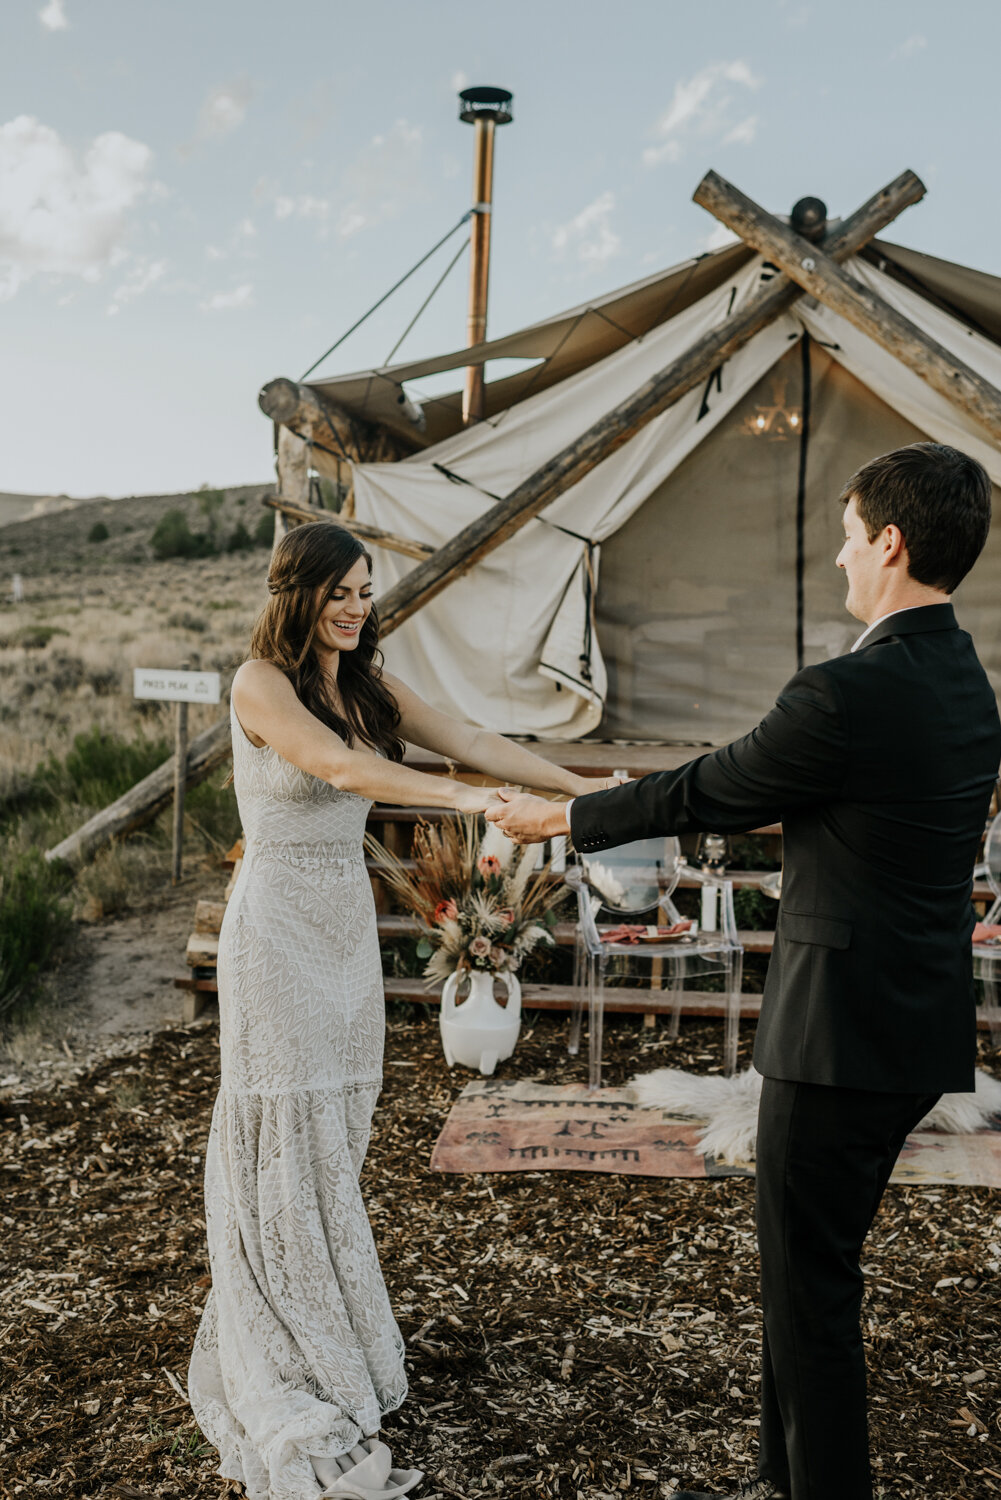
x: 880, y: 764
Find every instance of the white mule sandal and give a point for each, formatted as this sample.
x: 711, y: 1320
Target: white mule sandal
x: 373, y: 1478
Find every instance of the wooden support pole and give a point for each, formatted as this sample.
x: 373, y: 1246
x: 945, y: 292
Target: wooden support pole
x: 812, y: 268
x: 180, y: 781
x: 608, y: 434
x: 361, y: 529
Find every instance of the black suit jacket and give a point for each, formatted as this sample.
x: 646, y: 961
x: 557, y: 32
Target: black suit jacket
x: 880, y: 765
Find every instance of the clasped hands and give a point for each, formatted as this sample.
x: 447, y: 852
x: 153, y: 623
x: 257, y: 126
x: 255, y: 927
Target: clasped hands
x: 527, y: 819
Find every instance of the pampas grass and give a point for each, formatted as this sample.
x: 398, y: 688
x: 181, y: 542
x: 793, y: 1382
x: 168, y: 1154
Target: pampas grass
x: 484, y: 905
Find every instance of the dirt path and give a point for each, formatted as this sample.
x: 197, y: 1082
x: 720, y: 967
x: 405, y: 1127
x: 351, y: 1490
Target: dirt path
x: 114, y: 990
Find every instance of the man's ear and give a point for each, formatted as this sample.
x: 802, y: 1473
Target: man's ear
x: 893, y: 546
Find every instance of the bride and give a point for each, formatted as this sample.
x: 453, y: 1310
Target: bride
x: 298, y: 1356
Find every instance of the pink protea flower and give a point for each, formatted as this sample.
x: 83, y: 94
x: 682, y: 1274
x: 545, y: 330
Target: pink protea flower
x: 445, y: 911
x: 506, y: 915
x: 488, y: 864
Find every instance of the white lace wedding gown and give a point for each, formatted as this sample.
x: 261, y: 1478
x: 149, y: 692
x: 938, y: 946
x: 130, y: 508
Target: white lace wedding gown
x: 298, y: 1352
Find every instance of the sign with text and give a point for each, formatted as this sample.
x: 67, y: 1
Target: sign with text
x: 167, y: 686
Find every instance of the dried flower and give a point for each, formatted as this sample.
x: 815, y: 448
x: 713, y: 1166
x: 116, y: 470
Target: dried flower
x: 482, y: 900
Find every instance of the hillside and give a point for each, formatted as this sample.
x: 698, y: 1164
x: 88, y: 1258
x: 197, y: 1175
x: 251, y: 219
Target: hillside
x: 96, y: 606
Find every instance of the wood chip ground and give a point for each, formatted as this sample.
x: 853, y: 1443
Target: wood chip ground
x: 570, y: 1335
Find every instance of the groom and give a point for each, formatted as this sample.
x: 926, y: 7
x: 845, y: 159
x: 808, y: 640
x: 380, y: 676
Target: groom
x: 880, y: 764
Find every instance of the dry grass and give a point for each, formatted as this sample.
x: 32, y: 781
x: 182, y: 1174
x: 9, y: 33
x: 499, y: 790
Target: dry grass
x: 93, y: 612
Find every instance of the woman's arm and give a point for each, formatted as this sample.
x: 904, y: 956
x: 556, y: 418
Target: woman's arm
x: 483, y: 750
x: 267, y: 706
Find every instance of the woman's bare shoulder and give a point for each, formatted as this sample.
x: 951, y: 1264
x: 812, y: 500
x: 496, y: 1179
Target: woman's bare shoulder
x: 260, y: 679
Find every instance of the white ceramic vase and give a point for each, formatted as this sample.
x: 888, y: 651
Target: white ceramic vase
x: 479, y: 1033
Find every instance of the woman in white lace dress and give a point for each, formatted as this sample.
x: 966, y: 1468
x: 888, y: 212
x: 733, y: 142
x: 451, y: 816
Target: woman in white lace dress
x: 298, y: 1355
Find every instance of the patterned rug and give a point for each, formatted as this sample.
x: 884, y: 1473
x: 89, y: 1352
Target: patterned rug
x: 498, y: 1126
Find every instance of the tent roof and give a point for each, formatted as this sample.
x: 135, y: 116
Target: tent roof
x: 579, y: 337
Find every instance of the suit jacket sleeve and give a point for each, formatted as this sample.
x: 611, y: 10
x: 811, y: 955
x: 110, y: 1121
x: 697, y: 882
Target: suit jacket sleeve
x: 796, y: 757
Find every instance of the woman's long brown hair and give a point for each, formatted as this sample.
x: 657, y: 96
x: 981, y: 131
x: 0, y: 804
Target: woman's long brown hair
x: 306, y: 568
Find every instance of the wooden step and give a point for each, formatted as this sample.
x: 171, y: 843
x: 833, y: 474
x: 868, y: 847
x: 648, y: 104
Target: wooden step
x: 202, y: 951
x: 620, y: 1000
x: 559, y: 997
x: 203, y: 944
x: 384, y: 812
x: 742, y: 879
x: 393, y: 926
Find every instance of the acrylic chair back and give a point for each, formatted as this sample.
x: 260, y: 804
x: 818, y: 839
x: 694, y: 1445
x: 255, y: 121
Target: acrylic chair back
x: 627, y: 881
x: 635, y: 877
x: 991, y: 867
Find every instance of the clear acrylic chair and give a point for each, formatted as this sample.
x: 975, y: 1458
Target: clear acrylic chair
x: 987, y: 956
x: 630, y: 881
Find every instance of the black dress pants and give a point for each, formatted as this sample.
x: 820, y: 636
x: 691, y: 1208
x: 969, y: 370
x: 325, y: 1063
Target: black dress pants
x: 824, y: 1156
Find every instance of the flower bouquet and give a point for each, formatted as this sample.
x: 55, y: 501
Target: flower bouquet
x: 484, y: 905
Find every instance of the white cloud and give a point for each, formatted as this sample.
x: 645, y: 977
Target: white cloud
x: 223, y: 110
x: 53, y: 16
x: 61, y: 214
x: 742, y: 134
x: 239, y: 243
x: 911, y: 47
x: 718, y: 238
x: 144, y: 274
x: 240, y: 297
x: 303, y: 207
x: 589, y: 237
x: 701, y: 107
x: 383, y: 179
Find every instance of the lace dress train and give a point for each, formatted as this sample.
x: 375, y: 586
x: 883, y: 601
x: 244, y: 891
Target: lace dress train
x: 297, y: 1353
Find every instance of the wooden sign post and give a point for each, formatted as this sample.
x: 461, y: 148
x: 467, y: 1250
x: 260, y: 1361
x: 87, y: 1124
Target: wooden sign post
x: 181, y: 687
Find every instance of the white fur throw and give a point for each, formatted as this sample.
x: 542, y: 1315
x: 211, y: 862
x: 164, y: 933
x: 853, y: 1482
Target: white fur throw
x: 729, y: 1107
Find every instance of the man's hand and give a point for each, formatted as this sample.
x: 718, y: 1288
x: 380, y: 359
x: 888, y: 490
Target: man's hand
x: 527, y: 819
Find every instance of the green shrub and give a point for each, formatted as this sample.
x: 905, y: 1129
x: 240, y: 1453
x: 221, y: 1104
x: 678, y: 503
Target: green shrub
x: 37, y: 637
x: 183, y: 619
x: 34, y: 921
x: 264, y: 531
x: 98, y: 532
x: 210, y: 808
x: 239, y: 539
x: 173, y: 537
x: 99, y: 768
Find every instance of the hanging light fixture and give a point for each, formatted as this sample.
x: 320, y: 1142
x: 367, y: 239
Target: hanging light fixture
x: 775, y: 421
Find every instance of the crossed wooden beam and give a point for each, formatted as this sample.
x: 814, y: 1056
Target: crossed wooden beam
x: 806, y: 267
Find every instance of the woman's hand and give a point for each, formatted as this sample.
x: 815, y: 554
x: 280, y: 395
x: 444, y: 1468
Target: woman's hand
x: 475, y: 799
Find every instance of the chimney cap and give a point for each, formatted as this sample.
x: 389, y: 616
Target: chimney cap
x: 485, y: 102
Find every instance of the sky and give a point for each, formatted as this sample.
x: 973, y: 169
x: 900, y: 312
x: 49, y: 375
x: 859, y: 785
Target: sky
x: 198, y: 196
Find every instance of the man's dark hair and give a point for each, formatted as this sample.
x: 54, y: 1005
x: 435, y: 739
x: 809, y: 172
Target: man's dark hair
x: 938, y: 497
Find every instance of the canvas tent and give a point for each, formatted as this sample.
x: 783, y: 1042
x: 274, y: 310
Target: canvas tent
x: 655, y: 599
